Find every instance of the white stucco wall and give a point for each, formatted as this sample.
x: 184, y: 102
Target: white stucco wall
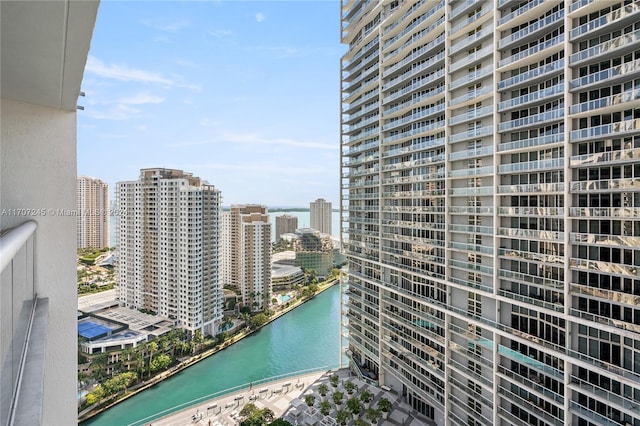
x: 38, y: 171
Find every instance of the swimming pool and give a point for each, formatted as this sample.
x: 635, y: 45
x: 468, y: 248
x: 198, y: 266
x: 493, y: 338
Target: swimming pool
x: 284, y: 298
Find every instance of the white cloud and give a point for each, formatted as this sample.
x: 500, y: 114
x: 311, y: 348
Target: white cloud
x: 141, y: 98
x: 253, y: 169
x: 124, y: 73
x: 205, y: 122
x: 219, y: 33
x: 260, y: 17
x: 124, y: 108
x: 116, y: 112
x: 166, y: 26
x: 255, y: 139
x: 277, y: 51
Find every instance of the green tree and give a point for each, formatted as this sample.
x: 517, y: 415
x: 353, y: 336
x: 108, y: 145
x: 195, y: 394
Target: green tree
x: 160, y: 362
x: 310, y: 400
x: 280, y: 422
x: 258, y: 320
x: 353, y: 404
x: 221, y: 337
x: 98, y: 365
x: 197, y: 340
x: 152, y: 348
x: 254, y: 416
x: 95, y: 395
x: 342, y: 417
x: 325, y: 408
x: 139, y: 360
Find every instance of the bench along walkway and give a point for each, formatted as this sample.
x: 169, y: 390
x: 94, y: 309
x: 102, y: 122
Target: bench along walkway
x: 286, y: 399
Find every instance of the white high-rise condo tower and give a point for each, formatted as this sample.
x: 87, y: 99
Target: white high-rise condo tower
x: 167, y: 239
x: 92, y: 197
x: 246, y: 254
x: 491, y: 198
x: 320, y: 215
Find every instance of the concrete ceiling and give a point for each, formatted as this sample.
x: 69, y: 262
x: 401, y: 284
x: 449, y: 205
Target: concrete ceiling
x: 43, y: 50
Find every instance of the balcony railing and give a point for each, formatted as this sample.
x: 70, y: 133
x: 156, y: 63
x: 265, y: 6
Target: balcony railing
x: 612, y: 129
x: 553, y: 115
x: 488, y: 7
x: 609, y: 18
x: 470, y: 39
x: 532, y: 50
x: 24, y: 331
x: 625, y: 40
x: 626, y: 69
x: 577, y: 4
x: 413, y: 25
x: 528, y: 143
x: 413, y: 71
x: 554, y: 163
x: 538, y: 25
x: 531, y: 74
x: 471, y: 77
x: 471, y: 134
x: 531, y: 97
x: 519, y: 11
x: 469, y: 58
x: 605, y: 185
x: 623, y: 155
x: 470, y: 95
x: 619, y: 98
x: 471, y: 115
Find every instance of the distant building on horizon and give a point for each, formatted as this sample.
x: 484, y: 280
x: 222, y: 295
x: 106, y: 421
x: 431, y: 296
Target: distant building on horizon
x: 168, y: 241
x: 320, y: 215
x: 92, y: 204
x: 246, y: 254
x: 286, y: 224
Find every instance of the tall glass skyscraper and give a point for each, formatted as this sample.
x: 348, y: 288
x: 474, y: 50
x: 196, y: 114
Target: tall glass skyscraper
x: 491, y: 193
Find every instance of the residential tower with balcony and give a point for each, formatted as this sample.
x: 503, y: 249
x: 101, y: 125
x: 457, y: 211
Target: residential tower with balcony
x: 491, y: 207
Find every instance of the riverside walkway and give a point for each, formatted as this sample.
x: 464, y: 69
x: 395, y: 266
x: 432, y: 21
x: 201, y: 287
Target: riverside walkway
x: 285, y: 397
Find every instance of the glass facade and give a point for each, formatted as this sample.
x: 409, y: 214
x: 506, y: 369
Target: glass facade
x: 489, y: 191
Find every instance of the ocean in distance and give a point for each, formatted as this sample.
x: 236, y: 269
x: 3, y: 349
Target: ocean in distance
x: 303, y: 215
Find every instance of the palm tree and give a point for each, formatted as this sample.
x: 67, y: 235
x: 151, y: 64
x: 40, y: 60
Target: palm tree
x: 197, y: 340
x: 98, y: 364
x: 152, y: 347
x: 138, y: 360
x: 174, y: 339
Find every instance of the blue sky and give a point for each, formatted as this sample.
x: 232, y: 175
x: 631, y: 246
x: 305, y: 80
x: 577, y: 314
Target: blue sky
x: 244, y: 94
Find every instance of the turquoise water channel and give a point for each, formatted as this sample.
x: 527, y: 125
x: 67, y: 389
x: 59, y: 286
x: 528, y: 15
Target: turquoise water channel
x: 306, y: 338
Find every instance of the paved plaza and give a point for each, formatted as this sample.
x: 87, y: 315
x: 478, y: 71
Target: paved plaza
x: 286, y: 399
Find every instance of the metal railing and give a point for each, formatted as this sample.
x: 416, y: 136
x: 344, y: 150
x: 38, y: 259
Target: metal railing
x: 26, y: 324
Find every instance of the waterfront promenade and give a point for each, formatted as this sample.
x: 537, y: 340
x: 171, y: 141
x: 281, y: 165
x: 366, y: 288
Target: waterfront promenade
x: 285, y: 397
